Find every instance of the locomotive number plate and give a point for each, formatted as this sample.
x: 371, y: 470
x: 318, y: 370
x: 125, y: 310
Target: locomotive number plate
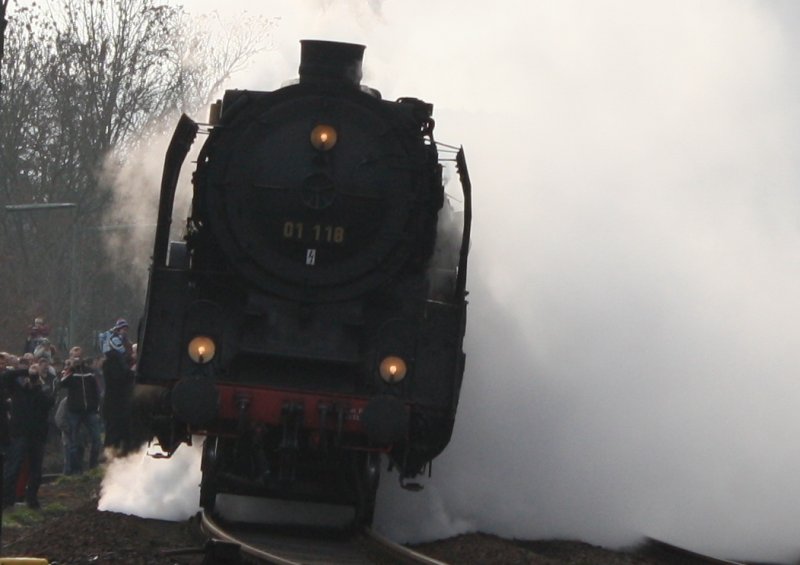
x: 313, y: 232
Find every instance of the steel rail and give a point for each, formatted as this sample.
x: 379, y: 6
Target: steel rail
x: 211, y: 528
x: 380, y: 542
x: 401, y: 549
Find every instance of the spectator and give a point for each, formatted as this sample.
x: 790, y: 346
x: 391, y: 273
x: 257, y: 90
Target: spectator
x: 12, y: 361
x: 31, y: 400
x: 47, y: 374
x: 118, y: 377
x: 37, y: 333
x: 45, y: 364
x: 82, y: 405
x: 25, y: 360
x: 44, y: 348
x: 61, y: 420
x: 62, y: 423
x: 4, y: 437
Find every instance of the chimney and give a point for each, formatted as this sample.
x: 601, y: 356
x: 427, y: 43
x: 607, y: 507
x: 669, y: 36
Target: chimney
x: 330, y: 62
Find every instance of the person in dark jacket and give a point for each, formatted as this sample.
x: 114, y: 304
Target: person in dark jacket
x: 82, y: 409
x: 119, y: 382
x: 31, y: 400
x: 4, y: 405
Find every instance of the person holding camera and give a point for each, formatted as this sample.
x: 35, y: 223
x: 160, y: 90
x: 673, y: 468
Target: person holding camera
x: 82, y: 409
x: 31, y: 399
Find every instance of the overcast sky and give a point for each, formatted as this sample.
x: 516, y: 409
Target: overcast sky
x: 633, y: 339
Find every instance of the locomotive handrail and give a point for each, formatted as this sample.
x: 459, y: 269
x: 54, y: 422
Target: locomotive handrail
x: 466, y: 185
x: 179, y: 146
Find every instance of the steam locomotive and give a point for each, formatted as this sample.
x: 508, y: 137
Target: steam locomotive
x: 311, y: 321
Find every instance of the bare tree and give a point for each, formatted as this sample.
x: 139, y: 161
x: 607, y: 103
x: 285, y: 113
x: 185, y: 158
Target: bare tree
x: 210, y: 50
x: 82, y: 83
x: 23, y: 119
x: 3, y: 24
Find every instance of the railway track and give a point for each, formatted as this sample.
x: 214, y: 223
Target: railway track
x: 317, y: 546
x: 298, y: 546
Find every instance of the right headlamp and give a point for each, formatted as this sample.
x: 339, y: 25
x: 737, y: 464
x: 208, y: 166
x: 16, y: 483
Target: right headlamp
x: 392, y: 369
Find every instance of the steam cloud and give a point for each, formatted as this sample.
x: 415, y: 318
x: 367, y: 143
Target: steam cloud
x: 167, y: 489
x: 632, y: 345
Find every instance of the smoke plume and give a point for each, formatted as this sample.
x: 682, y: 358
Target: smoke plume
x: 632, y: 343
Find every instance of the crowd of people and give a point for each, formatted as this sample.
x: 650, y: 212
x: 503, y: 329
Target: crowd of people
x: 78, y: 396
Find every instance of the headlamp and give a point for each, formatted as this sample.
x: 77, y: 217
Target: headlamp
x: 323, y: 137
x: 392, y: 369
x: 202, y: 349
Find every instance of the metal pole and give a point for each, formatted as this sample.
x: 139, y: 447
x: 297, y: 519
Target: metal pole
x: 73, y: 291
x: 39, y: 207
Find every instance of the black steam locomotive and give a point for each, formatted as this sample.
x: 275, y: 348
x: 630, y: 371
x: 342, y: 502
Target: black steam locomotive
x: 313, y: 317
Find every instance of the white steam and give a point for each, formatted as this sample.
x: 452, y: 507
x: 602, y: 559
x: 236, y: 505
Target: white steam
x: 632, y: 344
x: 168, y: 489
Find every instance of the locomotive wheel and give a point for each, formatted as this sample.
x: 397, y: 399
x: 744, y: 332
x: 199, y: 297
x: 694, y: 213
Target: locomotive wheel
x: 208, y: 484
x: 367, y: 468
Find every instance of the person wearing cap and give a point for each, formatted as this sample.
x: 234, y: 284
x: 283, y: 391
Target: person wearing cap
x: 118, y: 376
x: 31, y: 400
x: 37, y: 333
